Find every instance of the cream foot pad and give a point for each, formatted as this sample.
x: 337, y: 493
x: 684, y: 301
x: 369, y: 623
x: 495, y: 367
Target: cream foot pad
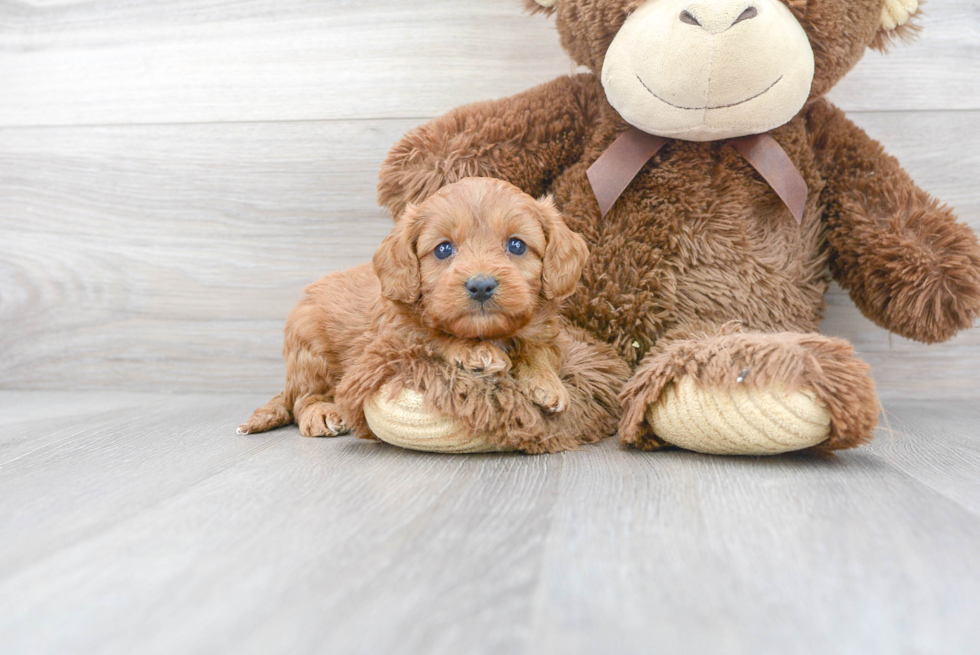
x: 404, y: 421
x: 738, y: 421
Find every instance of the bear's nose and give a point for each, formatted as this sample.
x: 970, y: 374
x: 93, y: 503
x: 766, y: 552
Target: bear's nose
x: 718, y: 17
x: 481, y: 287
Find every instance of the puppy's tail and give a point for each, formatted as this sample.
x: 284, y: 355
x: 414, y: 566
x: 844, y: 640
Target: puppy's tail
x: 274, y: 414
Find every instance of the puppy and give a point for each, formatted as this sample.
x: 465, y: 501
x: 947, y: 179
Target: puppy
x: 476, y: 272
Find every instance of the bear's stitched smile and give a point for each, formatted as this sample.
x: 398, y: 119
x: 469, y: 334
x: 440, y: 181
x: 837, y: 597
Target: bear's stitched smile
x: 734, y: 104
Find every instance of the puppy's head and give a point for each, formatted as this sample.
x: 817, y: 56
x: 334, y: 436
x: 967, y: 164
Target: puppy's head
x: 479, y: 258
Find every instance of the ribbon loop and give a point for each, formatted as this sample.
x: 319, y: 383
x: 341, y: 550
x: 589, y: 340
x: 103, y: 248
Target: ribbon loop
x: 613, y: 171
x: 771, y: 162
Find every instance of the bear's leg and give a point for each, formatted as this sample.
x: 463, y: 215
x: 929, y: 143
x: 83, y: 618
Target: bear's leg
x: 728, y: 391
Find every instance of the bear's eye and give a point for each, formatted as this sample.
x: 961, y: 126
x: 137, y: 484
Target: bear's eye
x: 444, y: 250
x: 516, y: 247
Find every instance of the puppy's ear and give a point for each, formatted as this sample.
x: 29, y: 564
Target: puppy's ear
x: 564, y: 255
x: 395, y: 261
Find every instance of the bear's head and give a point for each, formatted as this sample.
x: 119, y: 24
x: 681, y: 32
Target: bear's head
x: 703, y: 70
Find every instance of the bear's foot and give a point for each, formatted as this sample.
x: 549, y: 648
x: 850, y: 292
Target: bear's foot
x: 405, y: 421
x: 737, y: 393
x: 737, y: 420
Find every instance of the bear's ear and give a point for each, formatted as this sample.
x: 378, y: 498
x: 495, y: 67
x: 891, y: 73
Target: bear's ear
x: 896, y: 13
x: 897, y: 22
x: 540, y: 6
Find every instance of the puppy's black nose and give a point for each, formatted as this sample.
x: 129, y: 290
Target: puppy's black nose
x: 481, y: 287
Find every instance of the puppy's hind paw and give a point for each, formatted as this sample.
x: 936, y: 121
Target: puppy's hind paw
x: 322, y: 420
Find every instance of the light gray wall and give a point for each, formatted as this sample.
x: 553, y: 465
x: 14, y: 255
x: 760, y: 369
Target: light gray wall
x: 172, y: 173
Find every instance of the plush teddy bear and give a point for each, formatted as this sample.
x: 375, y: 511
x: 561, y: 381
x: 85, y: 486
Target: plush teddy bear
x: 719, y: 193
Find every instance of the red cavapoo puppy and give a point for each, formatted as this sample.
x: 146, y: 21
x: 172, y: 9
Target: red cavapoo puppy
x: 473, y: 278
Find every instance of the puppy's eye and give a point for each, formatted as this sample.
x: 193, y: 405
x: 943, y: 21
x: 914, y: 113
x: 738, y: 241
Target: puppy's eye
x: 516, y: 247
x: 444, y: 250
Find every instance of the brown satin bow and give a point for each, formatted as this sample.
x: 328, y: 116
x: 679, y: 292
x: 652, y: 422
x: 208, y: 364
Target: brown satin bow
x: 620, y: 163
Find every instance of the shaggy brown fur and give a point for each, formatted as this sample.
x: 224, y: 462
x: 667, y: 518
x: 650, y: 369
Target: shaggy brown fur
x: 498, y: 406
x: 494, y: 363
x: 699, y: 239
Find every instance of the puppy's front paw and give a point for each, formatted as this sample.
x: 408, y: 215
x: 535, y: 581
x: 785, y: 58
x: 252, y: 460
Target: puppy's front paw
x: 482, y: 358
x: 551, y: 395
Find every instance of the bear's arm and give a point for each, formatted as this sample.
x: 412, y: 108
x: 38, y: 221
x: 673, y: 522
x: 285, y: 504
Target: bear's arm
x: 907, y: 263
x: 524, y: 139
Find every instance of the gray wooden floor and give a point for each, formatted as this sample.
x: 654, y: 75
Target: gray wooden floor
x: 142, y: 523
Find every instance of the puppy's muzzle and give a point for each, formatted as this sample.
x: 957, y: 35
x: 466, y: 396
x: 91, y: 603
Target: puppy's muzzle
x: 481, y: 287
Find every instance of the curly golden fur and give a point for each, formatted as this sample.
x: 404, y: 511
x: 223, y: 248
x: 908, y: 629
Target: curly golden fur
x: 500, y: 359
